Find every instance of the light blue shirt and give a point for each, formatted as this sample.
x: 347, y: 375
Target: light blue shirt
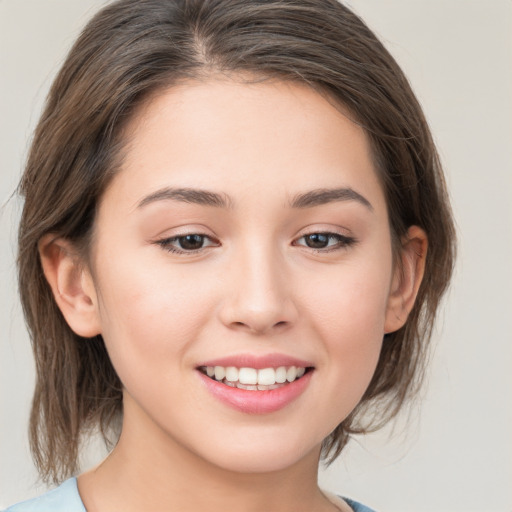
x: 65, y: 498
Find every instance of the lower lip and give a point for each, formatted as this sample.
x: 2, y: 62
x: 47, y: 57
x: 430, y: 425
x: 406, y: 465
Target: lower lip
x: 257, y: 402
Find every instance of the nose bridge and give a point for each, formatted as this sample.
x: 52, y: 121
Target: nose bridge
x: 259, y: 298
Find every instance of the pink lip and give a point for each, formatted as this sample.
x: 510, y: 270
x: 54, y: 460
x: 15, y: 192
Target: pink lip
x: 257, y: 402
x: 258, y: 362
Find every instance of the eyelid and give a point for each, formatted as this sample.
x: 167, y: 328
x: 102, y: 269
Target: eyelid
x: 165, y: 242
x: 344, y: 240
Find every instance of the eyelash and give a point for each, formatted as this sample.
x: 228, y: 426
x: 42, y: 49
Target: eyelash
x: 341, y: 242
x: 166, y: 243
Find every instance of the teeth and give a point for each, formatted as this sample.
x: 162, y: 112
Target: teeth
x: 291, y: 374
x: 247, y: 387
x: 231, y: 374
x: 220, y: 372
x: 248, y: 376
x: 281, y: 375
x: 253, y: 379
x: 266, y: 376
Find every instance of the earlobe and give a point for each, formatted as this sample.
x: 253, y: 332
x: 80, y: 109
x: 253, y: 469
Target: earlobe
x: 71, y: 284
x: 407, y: 278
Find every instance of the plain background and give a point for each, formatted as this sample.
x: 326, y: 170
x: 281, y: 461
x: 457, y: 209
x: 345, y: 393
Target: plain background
x: 456, y: 455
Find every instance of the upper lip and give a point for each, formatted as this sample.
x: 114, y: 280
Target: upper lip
x: 257, y: 361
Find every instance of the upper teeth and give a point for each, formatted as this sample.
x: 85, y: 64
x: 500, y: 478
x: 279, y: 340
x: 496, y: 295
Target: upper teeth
x: 253, y: 376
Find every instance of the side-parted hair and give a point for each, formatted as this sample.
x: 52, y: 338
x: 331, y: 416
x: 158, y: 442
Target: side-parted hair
x: 132, y: 49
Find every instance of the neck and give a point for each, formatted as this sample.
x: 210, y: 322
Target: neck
x: 149, y: 471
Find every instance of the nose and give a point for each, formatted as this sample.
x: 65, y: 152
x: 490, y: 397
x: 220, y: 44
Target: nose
x: 258, y: 297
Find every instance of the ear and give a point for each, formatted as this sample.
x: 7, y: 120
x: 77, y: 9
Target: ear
x: 407, y: 278
x: 72, y: 285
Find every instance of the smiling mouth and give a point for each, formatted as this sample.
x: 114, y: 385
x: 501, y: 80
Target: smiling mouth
x: 253, y: 379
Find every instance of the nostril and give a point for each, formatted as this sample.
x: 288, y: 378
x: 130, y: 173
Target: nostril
x: 254, y: 327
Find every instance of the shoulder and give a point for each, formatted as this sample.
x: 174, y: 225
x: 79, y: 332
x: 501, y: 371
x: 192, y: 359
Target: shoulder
x: 64, y: 498
x: 357, y: 507
x: 342, y: 502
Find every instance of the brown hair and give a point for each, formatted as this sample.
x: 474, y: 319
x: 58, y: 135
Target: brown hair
x: 129, y: 50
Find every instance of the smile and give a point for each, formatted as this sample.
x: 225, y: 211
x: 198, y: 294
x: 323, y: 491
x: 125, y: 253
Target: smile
x: 253, y: 379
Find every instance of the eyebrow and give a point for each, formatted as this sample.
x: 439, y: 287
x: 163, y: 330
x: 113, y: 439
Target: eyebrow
x: 328, y: 195
x: 309, y: 199
x: 187, y: 195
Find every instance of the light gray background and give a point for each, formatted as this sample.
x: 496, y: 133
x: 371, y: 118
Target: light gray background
x: 457, y: 454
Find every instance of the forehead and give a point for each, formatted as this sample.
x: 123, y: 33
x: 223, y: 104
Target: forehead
x: 233, y: 136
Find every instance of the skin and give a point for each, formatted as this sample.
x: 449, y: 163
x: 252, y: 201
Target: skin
x: 256, y: 287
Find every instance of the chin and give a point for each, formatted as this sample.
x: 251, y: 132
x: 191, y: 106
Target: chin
x: 258, y: 457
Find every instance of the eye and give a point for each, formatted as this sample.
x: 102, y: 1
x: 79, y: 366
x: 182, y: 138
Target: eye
x: 325, y: 241
x: 189, y: 243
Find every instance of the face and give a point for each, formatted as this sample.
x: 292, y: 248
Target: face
x: 245, y: 229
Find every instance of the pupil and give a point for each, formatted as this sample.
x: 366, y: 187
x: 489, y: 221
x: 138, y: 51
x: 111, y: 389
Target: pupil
x: 191, y: 242
x: 317, y: 240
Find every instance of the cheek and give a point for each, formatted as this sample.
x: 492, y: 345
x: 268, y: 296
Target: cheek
x: 352, y: 299
x: 150, y: 314
x: 349, y: 314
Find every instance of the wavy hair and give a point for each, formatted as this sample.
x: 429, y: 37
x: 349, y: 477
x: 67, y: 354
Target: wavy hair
x: 130, y: 50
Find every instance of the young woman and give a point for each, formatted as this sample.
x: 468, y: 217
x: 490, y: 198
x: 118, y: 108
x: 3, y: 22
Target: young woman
x: 234, y: 241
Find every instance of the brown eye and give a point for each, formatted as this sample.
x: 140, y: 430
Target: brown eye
x: 317, y: 240
x: 325, y: 242
x: 190, y: 242
x: 187, y: 244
